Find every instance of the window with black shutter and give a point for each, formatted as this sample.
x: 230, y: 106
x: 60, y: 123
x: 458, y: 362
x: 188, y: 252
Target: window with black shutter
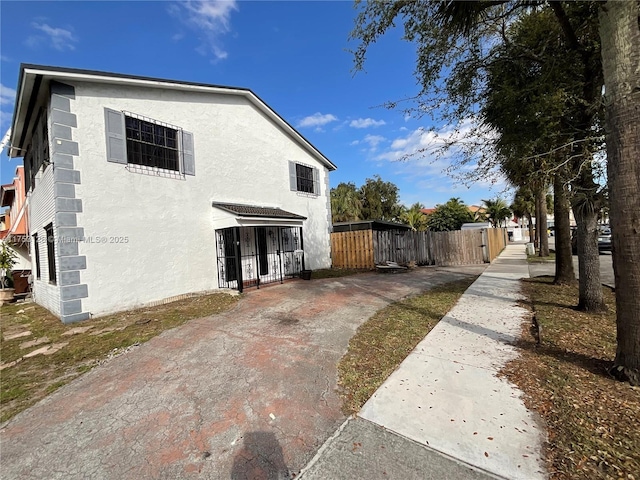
x: 136, y: 140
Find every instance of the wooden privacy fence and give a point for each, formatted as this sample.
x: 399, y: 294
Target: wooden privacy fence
x: 352, y: 249
x: 496, y: 240
x: 368, y: 248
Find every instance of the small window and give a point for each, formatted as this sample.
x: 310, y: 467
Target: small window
x: 51, y: 253
x: 304, y: 178
x: 151, y: 144
x: 36, y: 254
x: 148, y: 145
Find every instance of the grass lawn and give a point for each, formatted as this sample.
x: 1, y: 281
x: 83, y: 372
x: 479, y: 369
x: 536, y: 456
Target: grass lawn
x: 537, y: 259
x: 28, y: 380
x: 592, y: 419
x: 384, y: 341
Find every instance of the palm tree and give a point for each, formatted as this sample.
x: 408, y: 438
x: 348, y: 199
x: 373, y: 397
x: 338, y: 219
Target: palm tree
x: 414, y: 217
x: 497, y: 211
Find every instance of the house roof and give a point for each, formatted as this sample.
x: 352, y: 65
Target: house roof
x: 254, y: 211
x: 427, y: 211
x: 35, y: 77
x: 477, y: 208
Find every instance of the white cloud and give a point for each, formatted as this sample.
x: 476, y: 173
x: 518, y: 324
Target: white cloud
x: 373, y: 140
x: 4, y: 58
x: 424, y: 145
x: 366, y: 123
x: 7, y: 95
x: 426, y: 158
x: 317, y: 120
x: 211, y: 19
x: 61, y: 39
x: 355, y: 142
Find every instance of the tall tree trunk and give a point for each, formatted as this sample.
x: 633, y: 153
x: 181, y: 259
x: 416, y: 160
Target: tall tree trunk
x: 541, y: 223
x: 536, y: 237
x: 620, y: 38
x: 531, y: 231
x: 590, y: 296
x: 564, y: 261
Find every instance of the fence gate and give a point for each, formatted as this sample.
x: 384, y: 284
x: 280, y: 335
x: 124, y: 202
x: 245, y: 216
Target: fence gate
x: 253, y: 256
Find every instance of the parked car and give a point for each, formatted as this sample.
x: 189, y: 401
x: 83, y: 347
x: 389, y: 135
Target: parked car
x: 604, y: 241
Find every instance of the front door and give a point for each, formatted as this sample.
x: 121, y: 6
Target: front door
x: 265, y: 255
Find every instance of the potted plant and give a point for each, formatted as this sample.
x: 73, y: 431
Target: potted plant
x: 7, y: 261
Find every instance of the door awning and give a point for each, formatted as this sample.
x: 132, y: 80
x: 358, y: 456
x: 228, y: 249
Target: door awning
x: 252, y: 211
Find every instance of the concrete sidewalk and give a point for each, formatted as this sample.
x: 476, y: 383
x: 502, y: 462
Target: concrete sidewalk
x: 444, y: 413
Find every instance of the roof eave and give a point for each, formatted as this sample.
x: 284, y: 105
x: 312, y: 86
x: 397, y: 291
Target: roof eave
x: 62, y: 73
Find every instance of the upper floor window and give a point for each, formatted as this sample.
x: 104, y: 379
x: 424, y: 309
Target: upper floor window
x: 151, y: 144
x: 37, y: 153
x: 136, y: 140
x: 304, y: 178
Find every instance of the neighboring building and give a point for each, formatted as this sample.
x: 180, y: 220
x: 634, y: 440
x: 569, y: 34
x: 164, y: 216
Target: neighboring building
x: 152, y: 189
x: 474, y: 209
x: 15, y: 230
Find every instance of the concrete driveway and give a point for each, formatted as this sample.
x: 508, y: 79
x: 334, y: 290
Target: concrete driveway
x: 247, y: 394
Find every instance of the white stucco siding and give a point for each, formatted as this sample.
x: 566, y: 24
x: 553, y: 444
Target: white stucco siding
x: 42, y: 205
x: 157, y: 235
x: 23, y: 260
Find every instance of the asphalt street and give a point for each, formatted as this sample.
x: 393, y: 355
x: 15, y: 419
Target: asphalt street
x: 606, y: 267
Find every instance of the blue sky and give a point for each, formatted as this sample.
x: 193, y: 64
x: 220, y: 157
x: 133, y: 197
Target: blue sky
x: 293, y: 54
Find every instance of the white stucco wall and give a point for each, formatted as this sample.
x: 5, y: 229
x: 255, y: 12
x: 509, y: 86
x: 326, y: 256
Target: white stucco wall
x: 159, y: 232
x: 23, y: 260
x: 41, y: 203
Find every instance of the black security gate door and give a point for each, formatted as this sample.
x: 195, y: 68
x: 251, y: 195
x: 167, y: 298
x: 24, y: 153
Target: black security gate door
x: 254, y: 256
x: 228, y: 250
x: 263, y: 260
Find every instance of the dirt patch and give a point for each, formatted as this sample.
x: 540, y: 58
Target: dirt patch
x: 58, y: 353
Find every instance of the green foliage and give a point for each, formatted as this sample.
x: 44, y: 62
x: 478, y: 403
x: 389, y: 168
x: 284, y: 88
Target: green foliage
x: 414, y: 217
x: 7, y: 261
x: 536, y: 86
x: 380, y: 200
x: 542, y: 97
x: 497, y: 211
x: 375, y: 200
x: 523, y: 205
x: 449, y: 216
x: 346, y: 204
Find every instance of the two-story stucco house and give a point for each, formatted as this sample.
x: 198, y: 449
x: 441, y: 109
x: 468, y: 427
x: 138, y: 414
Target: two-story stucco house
x: 142, y: 190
